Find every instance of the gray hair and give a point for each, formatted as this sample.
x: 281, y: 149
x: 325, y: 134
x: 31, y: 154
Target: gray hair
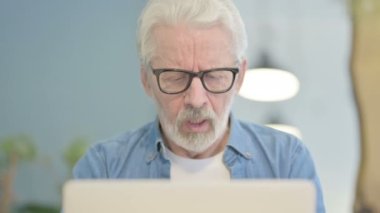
x: 197, y: 13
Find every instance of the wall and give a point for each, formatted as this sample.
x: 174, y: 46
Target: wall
x: 67, y: 69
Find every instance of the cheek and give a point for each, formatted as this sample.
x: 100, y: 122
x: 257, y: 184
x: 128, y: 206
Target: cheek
x: 168, y: 104
x: 221, y: 104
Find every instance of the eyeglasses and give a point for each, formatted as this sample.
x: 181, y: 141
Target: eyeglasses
x: 174, y: 81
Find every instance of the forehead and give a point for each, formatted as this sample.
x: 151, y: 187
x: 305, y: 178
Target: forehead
x: 186, y: 46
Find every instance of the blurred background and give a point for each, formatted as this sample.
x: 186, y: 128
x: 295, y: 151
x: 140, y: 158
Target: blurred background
x: 69, y: 77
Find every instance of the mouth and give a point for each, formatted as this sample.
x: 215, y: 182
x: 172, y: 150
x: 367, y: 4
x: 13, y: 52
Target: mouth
x: 197, y: 126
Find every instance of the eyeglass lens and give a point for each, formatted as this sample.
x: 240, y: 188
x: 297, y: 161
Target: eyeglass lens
x: 178, y: 81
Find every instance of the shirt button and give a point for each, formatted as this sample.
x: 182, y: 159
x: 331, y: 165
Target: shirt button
x: 151, y: 157
x: 248, y: 155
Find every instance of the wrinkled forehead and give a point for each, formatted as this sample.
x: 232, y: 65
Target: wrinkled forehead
x: 183, y: 45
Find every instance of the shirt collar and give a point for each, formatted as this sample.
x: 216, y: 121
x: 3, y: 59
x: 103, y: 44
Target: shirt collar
x: 154, y: 135
x: 237, y: 140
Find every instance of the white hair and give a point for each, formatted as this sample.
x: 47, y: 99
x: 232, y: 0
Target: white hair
x: 196, y: 13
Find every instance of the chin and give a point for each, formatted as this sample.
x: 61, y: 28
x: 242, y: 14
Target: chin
x: 196, y: 143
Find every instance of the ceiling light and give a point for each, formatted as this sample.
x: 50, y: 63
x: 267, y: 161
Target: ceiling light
x: 266, y: 84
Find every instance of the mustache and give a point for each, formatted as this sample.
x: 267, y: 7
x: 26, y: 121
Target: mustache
x: 196, y: 114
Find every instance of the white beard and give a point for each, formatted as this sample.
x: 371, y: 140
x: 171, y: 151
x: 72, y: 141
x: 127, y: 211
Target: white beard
x: 195, y: 142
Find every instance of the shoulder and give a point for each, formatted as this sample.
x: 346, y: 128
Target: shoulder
x: 126, y: 141
x: 105, y: 158
x: 263, y: 137
x: 284, y: 154
x: 274, y: 153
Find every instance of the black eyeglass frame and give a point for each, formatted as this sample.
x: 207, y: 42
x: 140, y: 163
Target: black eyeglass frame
x: 192, y: 74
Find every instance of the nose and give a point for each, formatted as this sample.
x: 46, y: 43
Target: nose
x: 196, y: 94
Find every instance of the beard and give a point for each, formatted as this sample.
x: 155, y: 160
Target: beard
x: 196, y: 142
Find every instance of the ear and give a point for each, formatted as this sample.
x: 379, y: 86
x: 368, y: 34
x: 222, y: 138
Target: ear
x: 240, y: 77
x: 145, y: 81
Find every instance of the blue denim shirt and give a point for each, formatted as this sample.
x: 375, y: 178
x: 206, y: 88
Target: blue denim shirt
x: 253, y: 152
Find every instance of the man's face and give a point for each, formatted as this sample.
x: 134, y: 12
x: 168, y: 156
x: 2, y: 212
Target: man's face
x: 196, y: 118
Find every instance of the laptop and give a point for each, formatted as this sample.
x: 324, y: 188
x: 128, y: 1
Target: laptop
x: 121, y: 196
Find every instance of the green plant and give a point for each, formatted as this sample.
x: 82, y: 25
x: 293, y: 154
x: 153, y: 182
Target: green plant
x: 13, y: 150
x: 75, y: 151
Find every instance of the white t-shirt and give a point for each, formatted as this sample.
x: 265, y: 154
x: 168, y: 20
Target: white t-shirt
x: 208, y: 169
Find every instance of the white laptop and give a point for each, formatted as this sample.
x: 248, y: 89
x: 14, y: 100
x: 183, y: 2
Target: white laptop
x: 116, y: 196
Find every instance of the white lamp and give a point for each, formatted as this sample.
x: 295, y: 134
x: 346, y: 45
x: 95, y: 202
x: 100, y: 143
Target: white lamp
x: 267, y: 84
